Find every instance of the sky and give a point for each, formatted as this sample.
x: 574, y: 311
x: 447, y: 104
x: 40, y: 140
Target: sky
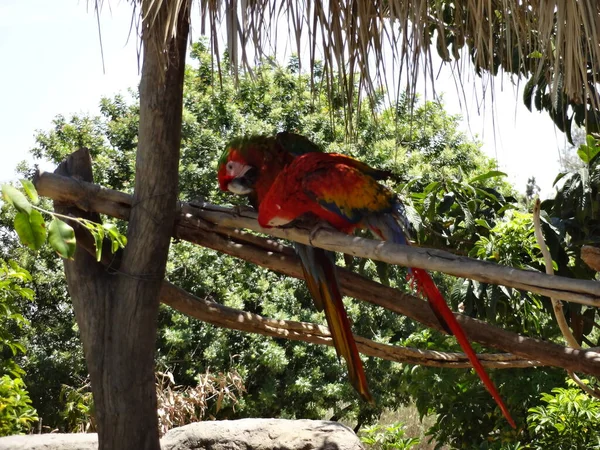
x: 52, y: 64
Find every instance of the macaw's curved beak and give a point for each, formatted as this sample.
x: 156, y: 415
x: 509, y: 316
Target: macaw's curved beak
x: 244, y: 184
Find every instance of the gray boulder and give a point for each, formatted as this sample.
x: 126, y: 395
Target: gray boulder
x: 53, y: 441
x: 244, y: 434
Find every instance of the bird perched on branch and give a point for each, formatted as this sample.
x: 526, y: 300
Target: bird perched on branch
x: 249, y: 167
x: 345, y: 193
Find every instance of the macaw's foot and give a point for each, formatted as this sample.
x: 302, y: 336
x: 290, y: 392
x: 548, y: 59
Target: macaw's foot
x: 319, y: 226
x: 240, y: 210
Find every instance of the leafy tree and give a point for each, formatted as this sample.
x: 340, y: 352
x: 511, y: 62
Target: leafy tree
x: 570, y: 419
x: 574, y: 215
x: 393, y: 436
x: 16, y: 413
x: 456, y: 199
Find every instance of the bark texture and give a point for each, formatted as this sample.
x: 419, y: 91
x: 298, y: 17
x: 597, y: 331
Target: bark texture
x: 194, y: 225
x: 117, y: 309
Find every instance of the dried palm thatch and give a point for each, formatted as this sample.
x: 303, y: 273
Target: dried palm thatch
x: 553, y: 43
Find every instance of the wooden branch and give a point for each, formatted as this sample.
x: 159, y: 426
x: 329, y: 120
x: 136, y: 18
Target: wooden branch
x: 194, y: 228
x: 231, y: 318
x: 591, y: 256
x: 586, y: 292
x: 116, y: 204
x: 223, y: 316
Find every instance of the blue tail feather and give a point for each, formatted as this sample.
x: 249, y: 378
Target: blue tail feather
x: 391, y: 227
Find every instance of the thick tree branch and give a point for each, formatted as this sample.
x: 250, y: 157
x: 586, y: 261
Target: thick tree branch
x: 115, y: 204
x: 223, y: 316
x: 272, y: 255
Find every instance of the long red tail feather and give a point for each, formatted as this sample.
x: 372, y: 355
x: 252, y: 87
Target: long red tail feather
x: 446, y: 317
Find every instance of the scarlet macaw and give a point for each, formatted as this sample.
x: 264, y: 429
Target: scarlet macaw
x: 249, y: 167
x: 346, y: 196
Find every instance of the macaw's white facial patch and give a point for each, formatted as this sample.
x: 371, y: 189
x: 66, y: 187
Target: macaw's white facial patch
x: 238, y: 187
x: 236, y: 169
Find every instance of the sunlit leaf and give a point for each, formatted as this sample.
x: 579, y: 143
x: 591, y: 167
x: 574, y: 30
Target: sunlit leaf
x: 30, y: 190
x: 15, y: 198
x: 558, y: 178
x: 61, y: 237
x: 487, y: 175
x: 587, y: 152
x: 31, y: 229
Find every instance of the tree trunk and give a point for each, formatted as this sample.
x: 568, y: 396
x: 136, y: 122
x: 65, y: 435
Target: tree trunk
x: 117, y: 310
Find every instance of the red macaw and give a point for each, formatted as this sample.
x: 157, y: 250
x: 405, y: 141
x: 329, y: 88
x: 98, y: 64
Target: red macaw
x: 348, y: 197
x: 249, y: 167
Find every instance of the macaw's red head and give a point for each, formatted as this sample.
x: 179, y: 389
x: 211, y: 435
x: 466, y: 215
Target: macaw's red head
x: 236, y: 172
x: 250, y: 165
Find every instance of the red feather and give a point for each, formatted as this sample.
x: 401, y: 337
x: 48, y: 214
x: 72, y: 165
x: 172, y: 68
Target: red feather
x: 344, y: 194
x: 439, y: 306
x: 269, y: 156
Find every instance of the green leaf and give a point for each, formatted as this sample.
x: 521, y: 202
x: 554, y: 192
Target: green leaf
x: 590, y: 141
x: 483, y: 223
x: 431, y: 186
x: 535, y: 54
x: 587, y: 152
x: 117, y: 239
x: 485, y: 176
x: 31, y: 229
x: 30, y: 191
x: 559, y: 177
x: 99, y: 239
x: 62, y: 238
x: 14, y: 197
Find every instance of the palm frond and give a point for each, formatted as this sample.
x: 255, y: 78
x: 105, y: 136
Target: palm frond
x: 555, y: 42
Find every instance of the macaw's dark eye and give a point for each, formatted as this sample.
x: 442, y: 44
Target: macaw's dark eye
x: 229, y: 165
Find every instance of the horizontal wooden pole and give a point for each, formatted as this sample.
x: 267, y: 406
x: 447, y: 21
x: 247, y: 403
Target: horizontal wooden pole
x: 116, y: 204
x: 195, y: 226
x: 586, y: 292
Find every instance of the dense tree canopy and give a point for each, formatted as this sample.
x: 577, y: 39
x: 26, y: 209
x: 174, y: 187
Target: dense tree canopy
x: 455, y: 198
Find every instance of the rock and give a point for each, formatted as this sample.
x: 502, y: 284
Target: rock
x: 262, y: 434
x: 244, y: 434
x: 51, y: 441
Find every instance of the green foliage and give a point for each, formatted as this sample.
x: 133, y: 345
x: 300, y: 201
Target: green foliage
x: 377, y: 437
x: 456, y: 199
x: 573, y: 220
x: 31, y: 227
x: 16, y: 413
x: 78, y: 409
x: 454, y: 212
x: 570, y: 419
x: 511, y: 242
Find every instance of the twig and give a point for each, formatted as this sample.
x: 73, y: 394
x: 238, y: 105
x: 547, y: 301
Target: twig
x: 556, y: 304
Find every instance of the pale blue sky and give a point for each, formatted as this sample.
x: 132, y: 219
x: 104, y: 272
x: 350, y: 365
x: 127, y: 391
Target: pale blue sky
x: 52, y: 64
